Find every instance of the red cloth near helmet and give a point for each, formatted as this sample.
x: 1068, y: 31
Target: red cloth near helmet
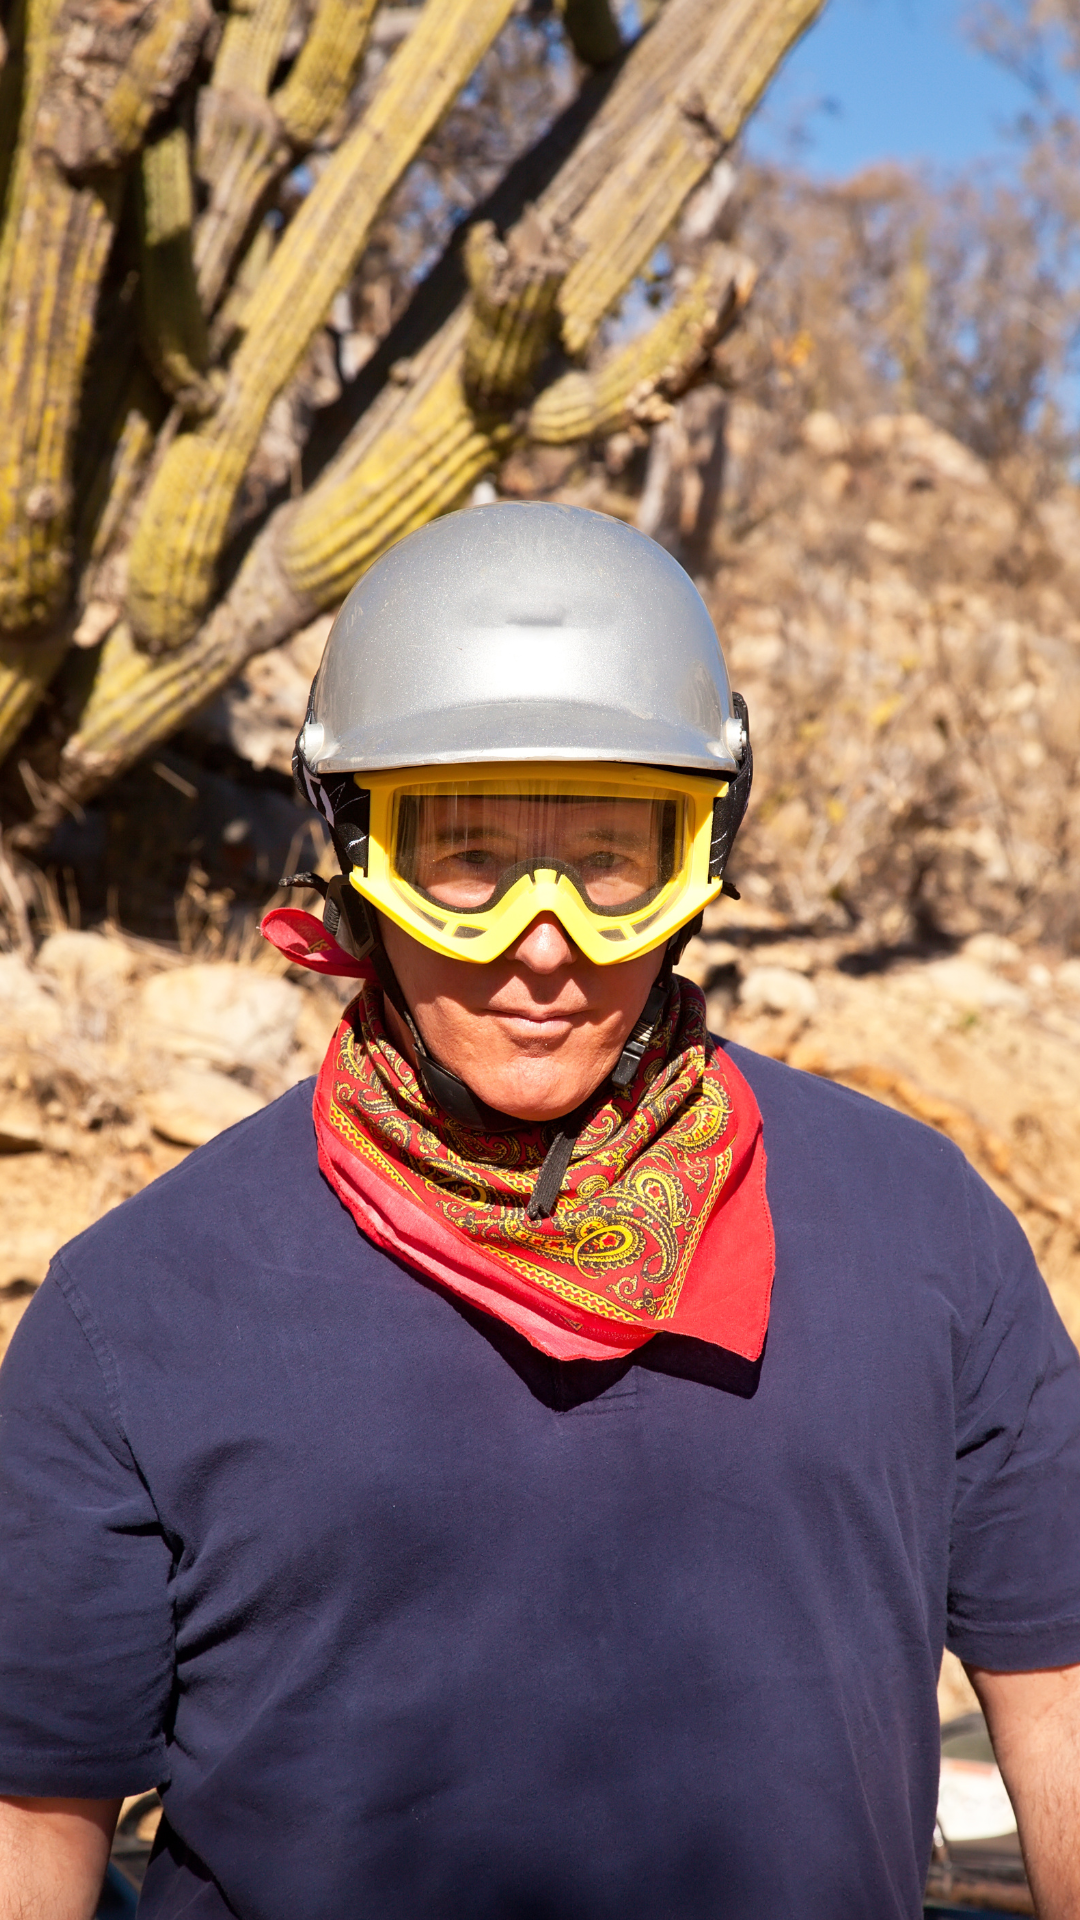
x: 662, y: 1223
x: 304, y: 940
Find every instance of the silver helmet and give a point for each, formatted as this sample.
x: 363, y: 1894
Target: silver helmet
x: 496, y: 637
x: 523, y: 631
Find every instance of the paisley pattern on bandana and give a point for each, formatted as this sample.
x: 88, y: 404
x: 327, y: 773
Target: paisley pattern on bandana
x: 647, y: 1173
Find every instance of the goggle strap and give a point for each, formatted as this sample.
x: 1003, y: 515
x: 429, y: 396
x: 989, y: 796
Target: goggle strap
x: 447, y: 1090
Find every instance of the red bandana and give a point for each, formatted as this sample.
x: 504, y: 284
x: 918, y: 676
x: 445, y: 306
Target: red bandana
x: 662, y: 1222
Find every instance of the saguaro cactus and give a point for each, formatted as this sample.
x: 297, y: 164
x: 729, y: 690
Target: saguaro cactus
x: 158, y: 134
x: 92, y: 83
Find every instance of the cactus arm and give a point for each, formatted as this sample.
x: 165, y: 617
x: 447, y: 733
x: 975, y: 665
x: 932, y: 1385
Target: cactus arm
x: 38, y: 30
x: 250, y: 46
x: 514, y: 289
x: 186, y: 516
x: 11, y: 86
x: 638, y: 384
x: 85, y: 104
x: 249, y: 155
x: 56, y: 240
x: 592, y: 29
x: 27, y: 666
x: 160, y: 62
x: 628, y: 215
x: 654, y: 69
x: 57, y: 236
x: 173, y: 327
x: 325, y: 69
x: 245, y: 143
x: 113, y: 70
x: 239, y: 146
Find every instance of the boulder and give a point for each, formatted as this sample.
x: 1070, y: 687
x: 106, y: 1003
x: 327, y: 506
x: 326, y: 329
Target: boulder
x: 963, y: 983
x: 85, y: 964
x: 825, y: 435
x: 194, y: 1104
x: 222, y: 1014
x: 28, y: 1011
x: 778, y: 990
x: 993, y: 950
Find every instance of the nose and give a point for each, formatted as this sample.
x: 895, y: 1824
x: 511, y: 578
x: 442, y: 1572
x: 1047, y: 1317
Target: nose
x: 544, y: 947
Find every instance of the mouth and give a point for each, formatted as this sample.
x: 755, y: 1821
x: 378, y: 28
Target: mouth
x: 549, y: 1020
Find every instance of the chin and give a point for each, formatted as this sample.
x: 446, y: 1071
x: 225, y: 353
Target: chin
x: 535, y: 1116
x: 536, y: 1104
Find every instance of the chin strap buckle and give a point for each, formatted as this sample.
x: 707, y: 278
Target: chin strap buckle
x: 555, y: 1165
x: 634, y: 1051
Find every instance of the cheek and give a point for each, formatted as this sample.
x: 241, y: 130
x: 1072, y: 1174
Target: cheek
x: 427, y: 978
x: 627, y: 986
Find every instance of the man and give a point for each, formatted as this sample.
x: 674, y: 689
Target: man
x: 444, y: 1503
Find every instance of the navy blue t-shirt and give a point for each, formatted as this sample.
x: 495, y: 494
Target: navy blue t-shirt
x: 410, y: 1621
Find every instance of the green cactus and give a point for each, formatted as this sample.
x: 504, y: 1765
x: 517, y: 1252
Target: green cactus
x: 637, y: 385
x: 227, y: 308
x: 175, y: 551
x: 173, y: 324
x: 63, y: 203
x: 514, y: 290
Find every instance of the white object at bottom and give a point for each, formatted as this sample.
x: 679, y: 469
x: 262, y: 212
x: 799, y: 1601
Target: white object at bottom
x: 973, y: 1803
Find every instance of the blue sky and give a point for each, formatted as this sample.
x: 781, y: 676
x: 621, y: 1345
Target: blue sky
x: 887, y: 80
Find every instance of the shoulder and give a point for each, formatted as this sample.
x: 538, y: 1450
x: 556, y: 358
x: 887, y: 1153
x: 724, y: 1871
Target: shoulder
x: 848, y: 1173
x: 806, y: 1116
x: 882, y: 1212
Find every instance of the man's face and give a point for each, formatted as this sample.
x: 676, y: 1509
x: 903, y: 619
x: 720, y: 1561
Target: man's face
x: 534, y: 1032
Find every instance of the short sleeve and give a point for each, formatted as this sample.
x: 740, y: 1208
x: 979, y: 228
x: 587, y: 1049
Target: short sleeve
x: 86, y: 1635
x: 1014, y: 1584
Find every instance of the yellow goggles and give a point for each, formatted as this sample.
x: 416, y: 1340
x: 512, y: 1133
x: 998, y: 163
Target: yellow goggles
x: 620, y: 855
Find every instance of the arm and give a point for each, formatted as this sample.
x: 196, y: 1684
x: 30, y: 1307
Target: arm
x: 1034, y: 1722
x: 53, y: 1855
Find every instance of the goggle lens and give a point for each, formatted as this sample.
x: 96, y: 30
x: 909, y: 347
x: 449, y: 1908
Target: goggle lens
x: 463, y: 850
